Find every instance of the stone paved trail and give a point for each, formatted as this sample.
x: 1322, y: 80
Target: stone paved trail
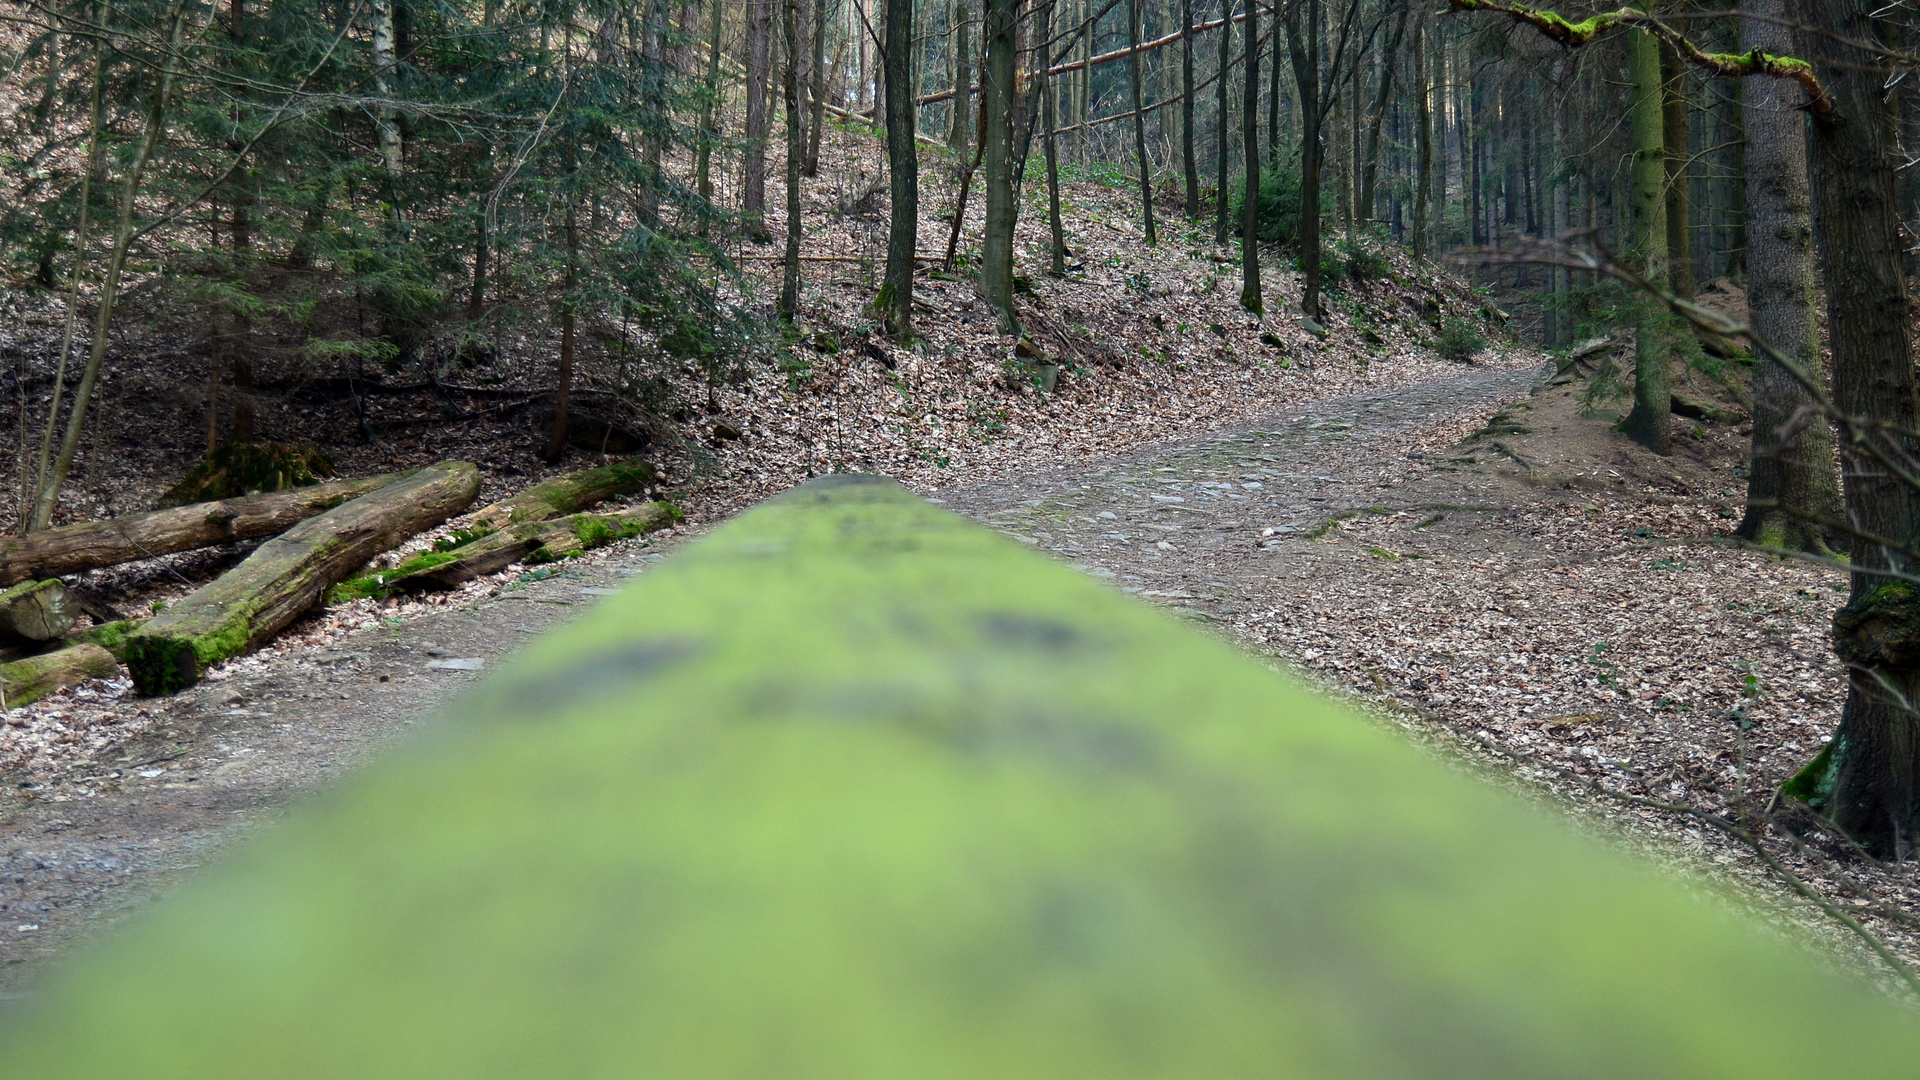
x: 1200, y: 525
x: 1190, y: 524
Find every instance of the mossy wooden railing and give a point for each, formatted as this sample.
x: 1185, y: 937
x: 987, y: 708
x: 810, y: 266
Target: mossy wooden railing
x: 854, y: 789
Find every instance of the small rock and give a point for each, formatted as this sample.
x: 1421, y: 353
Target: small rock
x: 226, y: 695
x: 465, y: 663
x: 1313, y: 326
x: 724, y: 430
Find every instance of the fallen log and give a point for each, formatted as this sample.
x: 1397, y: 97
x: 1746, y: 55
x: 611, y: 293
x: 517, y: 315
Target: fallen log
x: 35, y: 677
x: 529, y: 541
x: 93, y: 544
x: 255, y: 600
x: 35, y: 611
x: 567, y: 494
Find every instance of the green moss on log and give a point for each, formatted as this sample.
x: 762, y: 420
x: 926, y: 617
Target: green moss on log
x: 109, y: 636
x: 33, y: 678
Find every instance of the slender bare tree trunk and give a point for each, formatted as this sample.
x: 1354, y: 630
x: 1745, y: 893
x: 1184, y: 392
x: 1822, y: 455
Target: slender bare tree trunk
x: 1250, y: 297
x: 1190, y: 166
x: 1674, y: 107
x: 1370, y: 167
x: 999, y: 47
x: 796, y: 147
x: 1650, y: 422
x: 49, y: 493
x: 1423, y: 136
x: 1135, y: 79
x: 960, y: 60
x: 818, y: 93
x: 1220, y: 180
x: 563, y: 377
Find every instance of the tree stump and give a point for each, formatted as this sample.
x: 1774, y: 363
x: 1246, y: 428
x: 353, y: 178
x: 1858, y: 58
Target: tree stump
x: 35, y: 611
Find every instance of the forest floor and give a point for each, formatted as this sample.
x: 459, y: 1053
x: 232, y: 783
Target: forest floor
x: 1491, y: 568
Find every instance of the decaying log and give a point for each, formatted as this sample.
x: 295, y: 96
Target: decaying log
x: 37, y: 676
x: 35, y: 611
x: 529, y: 541
x: 255, y: 600
x: 92, y: 544
x: 567, y: 494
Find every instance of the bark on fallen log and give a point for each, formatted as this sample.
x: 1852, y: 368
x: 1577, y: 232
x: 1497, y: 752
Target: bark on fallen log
x: 255, y: 600
x: 93, y: 544
x: 567, y: 494
x: 35, y: 677
x: 529, y: 541
x: 35, y: 611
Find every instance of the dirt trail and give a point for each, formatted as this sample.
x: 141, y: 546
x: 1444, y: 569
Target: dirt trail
x: 1359, y: 537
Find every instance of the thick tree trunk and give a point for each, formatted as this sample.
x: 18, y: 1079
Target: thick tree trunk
x: 789, y: 305
x: 753, y: 204
x: 277, y: 583
x: 1649, y: 422
x: 35, y: 611
x: 1792, y: 486
x: 566, y: 494
x: 1875, y: 755
x: 895, y: 302
x: 33, y: 678
x: 1250, y: 294
x: 527, y: 541
x: 90, y: 545
x: 997, y: 94
x: 1135, y: 77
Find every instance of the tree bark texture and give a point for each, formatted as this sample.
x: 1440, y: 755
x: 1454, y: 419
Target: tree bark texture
x: 1135, y: 77
x: 960, y: 60
x: 1674, y: 107
x: 90, y: 545
x: 1188, y: 163
x: 999, y: 46
x: 753, y: 202
x: 35, y: 611
x: 1649, y: 422
x: 1875, y: 775
x: 1250, y: 297
x: 29, y: 680
x: 1423, y: 140
x: 789, y: 305
x: 566, y: 494
x: 1792, y: 485
x: 1221, y: 223
x: 526, y: 541
x: 247, y: 605
x: 895, y: 303
x: 1303, y: 43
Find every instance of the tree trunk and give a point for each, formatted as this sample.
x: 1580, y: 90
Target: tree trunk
x: 563, y: 377
x: 1303, y: 44
x: 753, y: 206
x: 997, y: 93
x: 895, y: 302
x: 960, y: 59
x: 1189, y: 165
x: 1423, y: 136
x: 1369, y: 169
x: 1056, y: 231
x: 90, y: 545
x: 29, y: 680
x: 1792, y: 486
x: 789, y: 305
x: 1649, y: 422
x: 709, y: 110
x: 817, y: 91
x: 1134, y: 80
x: 49, y: 492
x: 1221, y: 225
x: 249, y: 604
x: 1250, y: 294
x: 566, y: 494
x: 1874, y: 772
x: 35, y: 611
x: 1674, y: 106
x: 526, y: 541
